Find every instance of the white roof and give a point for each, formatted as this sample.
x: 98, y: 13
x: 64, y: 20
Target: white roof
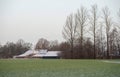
x: 43, y: 51
x: 40, y: 53
x: 49, y: 53
x: 52, y: 53
x: 26, y: 53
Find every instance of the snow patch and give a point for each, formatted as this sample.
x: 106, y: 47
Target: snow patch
x: 112, y: 61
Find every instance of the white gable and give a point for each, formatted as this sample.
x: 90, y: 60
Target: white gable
x: 26, y: 53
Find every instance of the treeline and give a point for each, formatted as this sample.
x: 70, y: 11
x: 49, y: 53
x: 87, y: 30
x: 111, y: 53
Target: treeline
x: 89, y: 33
x: 92, y: 33
x: 11, y: 49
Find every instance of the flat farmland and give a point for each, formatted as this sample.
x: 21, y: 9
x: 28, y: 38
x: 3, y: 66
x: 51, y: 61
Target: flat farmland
x: 59, y: 68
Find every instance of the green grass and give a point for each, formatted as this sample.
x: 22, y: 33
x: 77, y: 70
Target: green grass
x: 57, y: 68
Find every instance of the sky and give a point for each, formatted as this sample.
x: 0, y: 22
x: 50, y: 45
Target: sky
x: 33, y: 19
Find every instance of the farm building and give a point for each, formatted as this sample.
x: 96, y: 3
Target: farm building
x: 39, y: 54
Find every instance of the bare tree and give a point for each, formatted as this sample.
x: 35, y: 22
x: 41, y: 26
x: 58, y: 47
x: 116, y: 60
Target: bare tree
x: 82, y: 17
x: 42, y: 44
x: 108, y: 24
x: 11, y: 49
x: 118, y: 37
x: 100, y: 41
x: 54, y: 45
x: 118, y: 24
x: 114, y: 41
x: 69, y: 31
x: 94, y: 21
x: 64, y: 46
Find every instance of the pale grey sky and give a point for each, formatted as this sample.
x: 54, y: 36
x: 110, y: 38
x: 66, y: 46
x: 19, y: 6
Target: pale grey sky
x: 33, y: 19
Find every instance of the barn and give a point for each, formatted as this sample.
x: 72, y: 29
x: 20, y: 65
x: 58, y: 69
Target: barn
x: 43, y: 53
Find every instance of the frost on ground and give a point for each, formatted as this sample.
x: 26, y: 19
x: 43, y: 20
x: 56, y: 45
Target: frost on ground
x: 111, y: 61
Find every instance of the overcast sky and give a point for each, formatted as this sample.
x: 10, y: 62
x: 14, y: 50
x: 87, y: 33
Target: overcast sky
x: 33, y: 19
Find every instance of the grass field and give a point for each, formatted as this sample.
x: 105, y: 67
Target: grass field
x: 58, y: 68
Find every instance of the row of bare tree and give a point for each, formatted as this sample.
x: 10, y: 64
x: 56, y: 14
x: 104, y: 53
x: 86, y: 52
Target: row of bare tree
x: 98, y: 27
x: 88, y: 33
x: 45, y: 44
x: 11, y: 49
